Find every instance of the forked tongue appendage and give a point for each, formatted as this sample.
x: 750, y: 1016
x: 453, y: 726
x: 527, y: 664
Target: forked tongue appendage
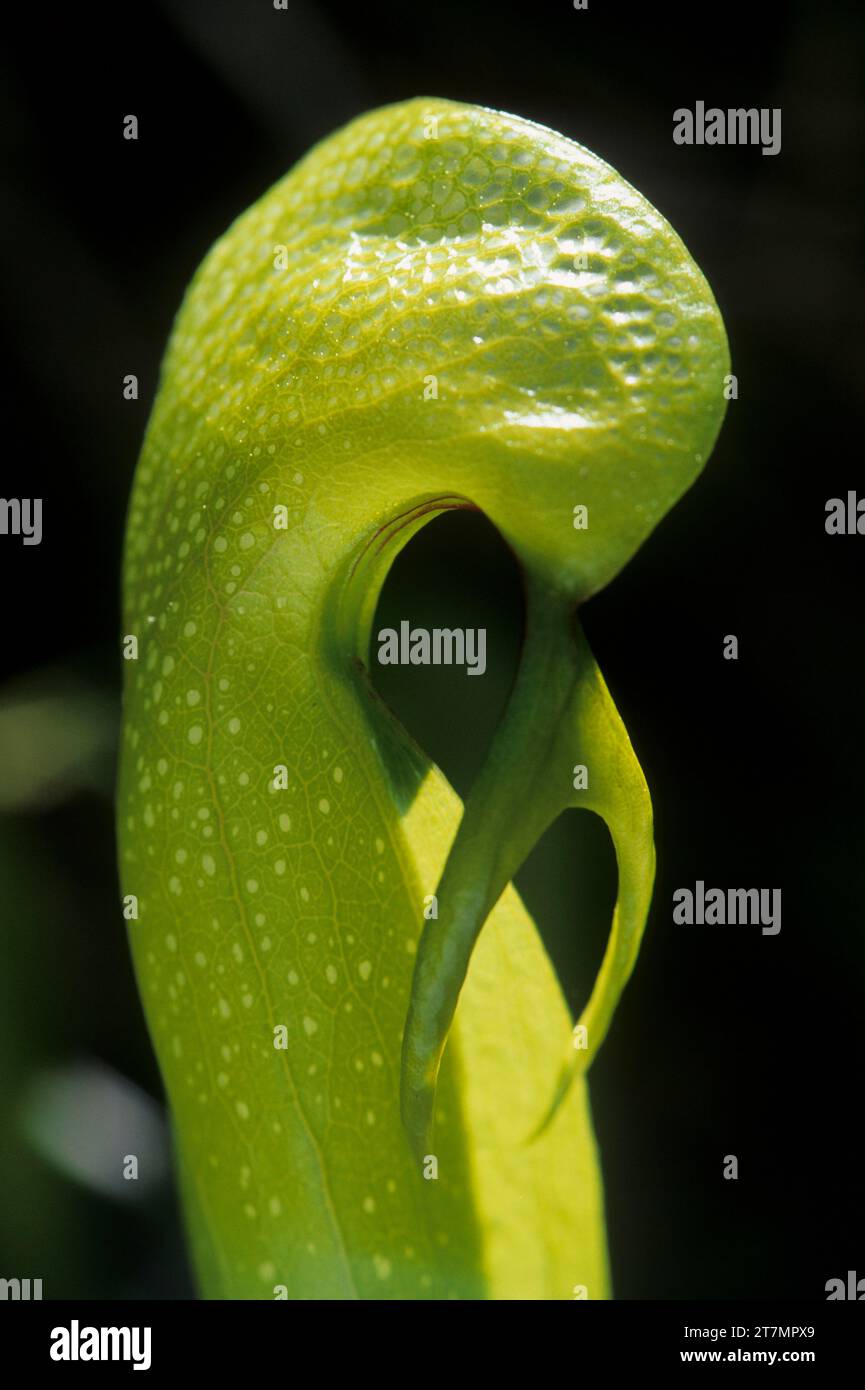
x: 559, y: 717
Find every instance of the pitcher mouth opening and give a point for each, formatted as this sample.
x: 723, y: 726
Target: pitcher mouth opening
x: 386, y: 533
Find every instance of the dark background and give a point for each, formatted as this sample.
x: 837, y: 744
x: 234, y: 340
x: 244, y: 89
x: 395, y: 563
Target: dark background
x: 726, y: 1042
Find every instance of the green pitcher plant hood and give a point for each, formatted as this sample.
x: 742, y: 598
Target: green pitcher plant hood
x: 441, y: 306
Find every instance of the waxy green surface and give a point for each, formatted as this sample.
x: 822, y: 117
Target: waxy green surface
x: 578, y: 358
